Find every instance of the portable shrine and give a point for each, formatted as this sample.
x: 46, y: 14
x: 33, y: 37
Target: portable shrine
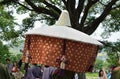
x: 61, y: 46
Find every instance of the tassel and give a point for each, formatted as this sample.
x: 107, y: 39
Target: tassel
x: 63, y: 61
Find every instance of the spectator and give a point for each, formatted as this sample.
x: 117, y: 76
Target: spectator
x: 34, y: 72
x: 18, y: 74
x: 15, y: 67
x: 9, y: 66
x: 110, y: 71
x: 116, y: 71
x: 3, y: 72
x: 102, y: 74
x: 48, y: 71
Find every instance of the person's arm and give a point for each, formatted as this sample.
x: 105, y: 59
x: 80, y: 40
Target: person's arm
x: 104, y: 74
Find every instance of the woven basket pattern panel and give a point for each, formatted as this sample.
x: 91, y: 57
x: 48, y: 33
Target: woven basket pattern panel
x: 46, y: 50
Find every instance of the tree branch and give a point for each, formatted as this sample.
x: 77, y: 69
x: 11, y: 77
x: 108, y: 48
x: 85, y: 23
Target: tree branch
x: 80, y: 8
x: 40, y: 10
x: 52, y: 6
x: 33, y: 6
x: 65, y: 3
x: 78, y: 12
x: 3, y: 2
x: 71, y: 9
x: 93, y: 25
x: 101, y: 3
x: 23, y: 5
x: 70, y: 5
x: 88, y: 6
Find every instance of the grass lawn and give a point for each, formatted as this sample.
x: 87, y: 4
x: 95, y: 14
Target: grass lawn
x: 91, y: 75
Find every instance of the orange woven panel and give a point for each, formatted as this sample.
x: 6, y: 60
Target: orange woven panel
x: 46, y: 50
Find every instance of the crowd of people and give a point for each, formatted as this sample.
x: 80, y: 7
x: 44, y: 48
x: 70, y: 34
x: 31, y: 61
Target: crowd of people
x: 13, y: 69
x: 34, y: 71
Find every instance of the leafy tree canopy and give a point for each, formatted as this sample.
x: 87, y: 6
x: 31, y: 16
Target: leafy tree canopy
x: 7, y: 24
x: 85, y: 15
x: 113, y: 52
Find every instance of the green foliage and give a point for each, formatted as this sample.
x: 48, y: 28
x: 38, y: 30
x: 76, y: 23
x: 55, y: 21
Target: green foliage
x: 7, y: 33
x: 50, y: 20
x: 15, y: 57
x: 4, y: 52
x: 8, y: 2
x: 111, y: 23
x: 112, y: 58
x: 48, y: 12
x: 5, y: 19
x: 28, y: 23
x: 21, y: 10
x: 98, y: 64
x: 7, y: 27
x: 113, y: 52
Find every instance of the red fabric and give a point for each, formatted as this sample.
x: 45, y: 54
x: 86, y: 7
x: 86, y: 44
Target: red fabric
x: 14, y: 69
x: 116, y: 68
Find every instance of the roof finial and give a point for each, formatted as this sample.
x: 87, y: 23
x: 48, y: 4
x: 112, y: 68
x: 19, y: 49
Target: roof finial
x: 64, y: 19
